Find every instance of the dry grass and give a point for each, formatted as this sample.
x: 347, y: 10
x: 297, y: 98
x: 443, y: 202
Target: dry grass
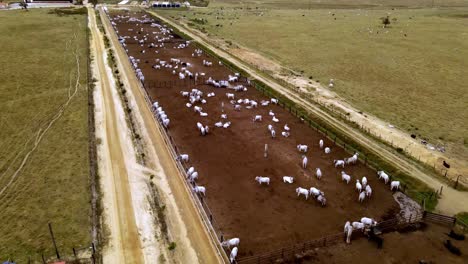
x: 412, y: 74
x: 39, y: 71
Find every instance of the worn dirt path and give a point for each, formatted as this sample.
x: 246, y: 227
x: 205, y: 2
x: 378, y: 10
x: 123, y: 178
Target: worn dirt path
x: 451, y: 202
x: 194, y: 243
x: 124, y: 242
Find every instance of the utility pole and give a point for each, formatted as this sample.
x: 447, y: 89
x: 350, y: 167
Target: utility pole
x: 53, y: 240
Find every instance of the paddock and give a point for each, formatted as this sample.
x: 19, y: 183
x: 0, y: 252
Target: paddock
x: 227, y: 160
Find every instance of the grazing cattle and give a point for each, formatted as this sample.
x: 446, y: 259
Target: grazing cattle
x: 194, y: 176
x: 233, y: 242
x: 364, y: 182
x: 358, y: 186
x: 368, y: 221
x: 271, y: 113
x: 261, y: 180
x: 286, y: 128
x: 234, y: 251
x: 273, y: 133
x: 315, y: 192
x: 183, y: 157
x: 368, y: 191
x: 358, y: 225
x: 322, y: 200
x: 237, y: 107
x: 348, y: 231
x: 288, y: 179
x: 362, y: 196
x: 395, y: 185
x: 219, y: 124
x: 274, y: 101
x: 199, y: 189
x: 339, y: 163
x: 353, y: 159
x: 230, y: 96
x: 452, y: 248
x: 190, y: 171
x: 257, y: 118
x: 321, y: 143
x: 285, y: 134
x: 274, y: 119
x: 345, y: 177
x: 304, y: 162
x: 302, y: 191
x: 302, y: 148
x: 318, y: 173
x: 383, y: 175
x: 327, y: 150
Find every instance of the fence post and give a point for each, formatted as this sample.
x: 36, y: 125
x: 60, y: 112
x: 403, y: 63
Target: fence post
x: 74, y: 252
x: 43, y: 259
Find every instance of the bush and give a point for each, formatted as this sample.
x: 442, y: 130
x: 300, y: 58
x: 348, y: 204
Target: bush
x: 172, y: 246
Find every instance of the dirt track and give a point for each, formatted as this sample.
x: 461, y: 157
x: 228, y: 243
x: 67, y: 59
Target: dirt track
x: 451, y: 202
x: 124, y: 239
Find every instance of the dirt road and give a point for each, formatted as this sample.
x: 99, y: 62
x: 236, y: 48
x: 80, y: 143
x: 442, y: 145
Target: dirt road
x: 194, y: 243
x: 124, y: 241
x: 451, y: 202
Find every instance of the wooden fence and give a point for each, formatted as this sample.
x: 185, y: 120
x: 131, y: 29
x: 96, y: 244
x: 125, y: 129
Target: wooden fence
x: 439, y: 219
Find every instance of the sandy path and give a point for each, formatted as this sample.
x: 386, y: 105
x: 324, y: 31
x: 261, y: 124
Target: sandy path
x: 194, y: 243
x: 451, y: 202
x: 124, y: 242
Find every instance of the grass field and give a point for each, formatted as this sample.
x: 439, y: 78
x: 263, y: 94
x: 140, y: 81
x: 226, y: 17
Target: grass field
x: 39, y: 75
x: 411, y: 74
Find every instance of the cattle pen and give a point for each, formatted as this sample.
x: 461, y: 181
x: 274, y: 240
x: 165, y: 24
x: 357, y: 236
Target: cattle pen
x: 226, y: 216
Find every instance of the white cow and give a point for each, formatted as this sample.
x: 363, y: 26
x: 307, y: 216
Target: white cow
x: 274, y: 101
x: 190, y: 171
x: 368, y: 221
x: 302, y: 148
x: 230, y: 96
x: 274, y: 119
x: 273, y: 133
x: 183, y: 157
x: 318, y: 173
x: 322, y: 200
x: 285, y: 134
x: 288, y: 179
x: 304, y: 162
x: 315, y: 192
x: 368, y: 191
x: 233, y: 242
x: 257, y: 118
x: 353, y: 159
x: 345, y: 177
x: 358, y: 186
x: 321, y: 143
x: 302, y: 191
x: 194, y: 176
x: 339, y: 163
x: 357, y: 225
x: 286, y: 127
x: 234, y: 251
x: 348, y: 232
x: 383, y: 175
x: 199, y: 189
x: 327, y: 150
x: 261, y: 180
x: 364, y: 182
x: 395, y: 185
x: 362, y: 196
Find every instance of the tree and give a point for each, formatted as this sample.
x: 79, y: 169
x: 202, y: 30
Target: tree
x: 24, y: 5
x: 94, y: 2
x: 385, y: 21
